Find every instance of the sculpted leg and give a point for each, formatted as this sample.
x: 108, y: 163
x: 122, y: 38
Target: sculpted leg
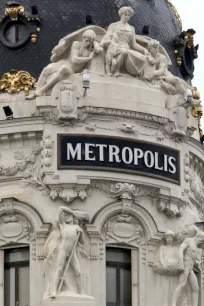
x: 195, y: 288
x: 44, y: 75
x: 108, y: 65
x: 182, y: 282
x: 58, y: 76
x: 120, y: 61
x: 77, y: 271
x: 114, y: 65
x: 59, y: 271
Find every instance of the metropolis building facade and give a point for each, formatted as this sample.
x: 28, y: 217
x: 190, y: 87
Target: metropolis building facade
x: 101, y: 155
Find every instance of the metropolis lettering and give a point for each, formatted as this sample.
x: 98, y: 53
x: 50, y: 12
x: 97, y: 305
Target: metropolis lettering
x: 118, y: 155
x: 128, y: 155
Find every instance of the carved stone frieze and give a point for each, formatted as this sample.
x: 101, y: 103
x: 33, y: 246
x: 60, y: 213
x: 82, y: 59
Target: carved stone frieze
x: 125, y: 114
x: 22, y: 164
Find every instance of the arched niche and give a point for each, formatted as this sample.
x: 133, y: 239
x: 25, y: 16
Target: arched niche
x: 121, y: 222
x: 21, y: 223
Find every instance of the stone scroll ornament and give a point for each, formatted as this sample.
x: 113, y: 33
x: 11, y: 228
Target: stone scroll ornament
x: 62, y: 253
x: 180, y: 254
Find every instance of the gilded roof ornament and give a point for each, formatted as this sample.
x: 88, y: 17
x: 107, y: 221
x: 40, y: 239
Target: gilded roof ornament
x: 13, y: 10
x: 178, y: 17
x: 15, y: 81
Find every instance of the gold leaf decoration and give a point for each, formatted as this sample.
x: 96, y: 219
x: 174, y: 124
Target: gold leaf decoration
x: 15, y: 81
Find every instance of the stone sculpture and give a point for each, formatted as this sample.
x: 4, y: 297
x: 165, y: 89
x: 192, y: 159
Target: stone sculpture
x: 156, y: 65
x: 123, y: 53
x: 167, y: 260
x: 189, y: 252
x: 181, y: 106
x: 61, y: 254
x: 68, y: 57
x: 176, y: 261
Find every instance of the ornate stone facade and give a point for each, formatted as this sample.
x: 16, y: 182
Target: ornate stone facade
x: 68, y: 212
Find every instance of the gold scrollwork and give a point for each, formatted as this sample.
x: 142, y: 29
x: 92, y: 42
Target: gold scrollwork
x: 15, y: 81
x: 178, y: 17
x: 14, y: 11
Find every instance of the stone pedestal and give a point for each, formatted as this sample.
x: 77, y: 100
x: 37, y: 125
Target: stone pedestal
x: 69, y: 299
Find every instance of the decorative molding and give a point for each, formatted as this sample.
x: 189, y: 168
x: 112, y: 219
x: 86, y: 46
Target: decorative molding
x: 15, y: 81
x: 196, y: 188
x: 20, y: 223
x: 128, y: 191
x: 186, y: 167
x: 169, y: 133
x: 125, y: 114
x: 122, y: 229
x: 171, y: 206
x: 46, y: 147
x: 197, y: 166
x: 20, y: 165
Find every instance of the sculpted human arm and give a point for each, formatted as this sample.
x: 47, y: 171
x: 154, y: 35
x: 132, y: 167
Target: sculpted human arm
x: 81, y: 237
x: 163, y: 64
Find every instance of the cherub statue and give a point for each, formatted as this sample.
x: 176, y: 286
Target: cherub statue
x: 60, y: 251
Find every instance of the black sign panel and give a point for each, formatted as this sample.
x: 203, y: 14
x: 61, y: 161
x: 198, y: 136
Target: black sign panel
x: 115, y: 154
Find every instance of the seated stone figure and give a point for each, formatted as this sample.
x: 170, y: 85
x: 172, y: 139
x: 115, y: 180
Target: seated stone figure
x: 128, y: 56
x: 68, y: 57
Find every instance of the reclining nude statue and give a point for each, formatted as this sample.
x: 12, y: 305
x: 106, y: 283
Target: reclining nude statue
x: 60, y: 251
x: 68, y: 57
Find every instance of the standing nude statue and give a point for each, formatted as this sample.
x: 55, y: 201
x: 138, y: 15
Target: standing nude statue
x: 60, y: 247
x: 189, y: 251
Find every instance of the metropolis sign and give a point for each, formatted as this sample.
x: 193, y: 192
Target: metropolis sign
x: 116, y: 154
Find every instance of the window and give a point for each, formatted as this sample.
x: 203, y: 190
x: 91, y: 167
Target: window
x: 16, y: 277
x: 118, y: 277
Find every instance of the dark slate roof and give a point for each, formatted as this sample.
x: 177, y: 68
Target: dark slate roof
x: 61, y: 17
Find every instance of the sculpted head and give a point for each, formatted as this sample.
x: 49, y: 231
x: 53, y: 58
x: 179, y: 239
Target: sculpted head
x: 200, y: 239
x: 169, y: 237
x: 89, y: 36
x: 69, y: 217
x: 125, y: 13
x: 153, y: 47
